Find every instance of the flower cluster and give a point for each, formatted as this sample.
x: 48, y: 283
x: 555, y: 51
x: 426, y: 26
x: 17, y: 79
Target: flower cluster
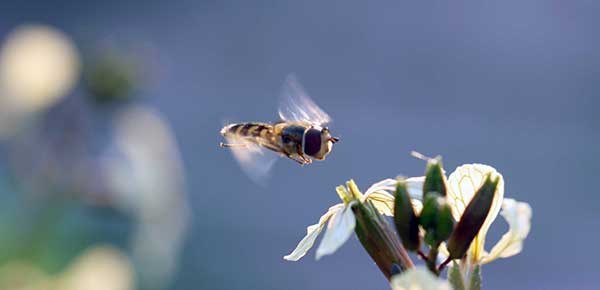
x: 447, y: 216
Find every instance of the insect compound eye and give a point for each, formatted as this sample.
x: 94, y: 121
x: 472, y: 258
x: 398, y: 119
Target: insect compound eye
x: 312, y: 141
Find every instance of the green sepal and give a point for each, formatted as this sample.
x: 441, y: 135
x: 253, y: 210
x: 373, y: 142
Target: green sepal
x: 435, y: 181
x: 472, y: 219
x: 455, y: 277
x: 405, y: 219
x: 475, y: 281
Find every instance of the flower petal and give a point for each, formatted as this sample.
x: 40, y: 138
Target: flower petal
x: 518, y: 216
x: 414, y: 185
x: 386, y: 185
x: 443, y: 251
x: 339, y: 229
x: 463, y: 183
x: 417, y: 205
x: 312, y: 232
x: 383, y: 202
x: 419, y: 278
x: 381, y: 194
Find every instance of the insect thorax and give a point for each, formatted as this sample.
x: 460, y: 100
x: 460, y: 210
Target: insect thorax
x: 291, y: 138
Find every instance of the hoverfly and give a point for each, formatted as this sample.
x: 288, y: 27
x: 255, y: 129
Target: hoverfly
x: 300, y: 135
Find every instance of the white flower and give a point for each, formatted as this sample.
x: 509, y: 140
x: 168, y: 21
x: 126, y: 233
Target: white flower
x: 340, y: 219
x: 418, y: 278
x: 462, y: 185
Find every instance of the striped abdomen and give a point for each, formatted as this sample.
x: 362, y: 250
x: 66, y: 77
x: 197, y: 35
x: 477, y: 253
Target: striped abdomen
x: 256, y: 132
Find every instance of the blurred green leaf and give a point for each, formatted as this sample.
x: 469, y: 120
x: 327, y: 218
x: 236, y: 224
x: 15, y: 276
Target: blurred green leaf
x: 111, y: 79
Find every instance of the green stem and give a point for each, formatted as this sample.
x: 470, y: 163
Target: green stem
x: 432, y: 259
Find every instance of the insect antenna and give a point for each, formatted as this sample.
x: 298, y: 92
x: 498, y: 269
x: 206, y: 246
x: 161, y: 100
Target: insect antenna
x: 420, y: 156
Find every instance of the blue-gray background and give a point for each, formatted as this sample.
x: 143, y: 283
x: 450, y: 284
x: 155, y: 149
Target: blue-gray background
x: 513, y: 84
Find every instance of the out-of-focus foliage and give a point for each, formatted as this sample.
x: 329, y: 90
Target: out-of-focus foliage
x: 81, y: 207
x: 111, y: 79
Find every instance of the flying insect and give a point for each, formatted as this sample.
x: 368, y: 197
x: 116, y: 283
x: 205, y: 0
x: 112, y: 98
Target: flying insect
x: 300, y: 134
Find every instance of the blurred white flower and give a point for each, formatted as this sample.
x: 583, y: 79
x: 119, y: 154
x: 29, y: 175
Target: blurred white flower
x: 418, y: 278
x: 146, y: 177
x: 98, y: 268
x: 38, y: 66
x: 341, y: 218
x: 147, y: 173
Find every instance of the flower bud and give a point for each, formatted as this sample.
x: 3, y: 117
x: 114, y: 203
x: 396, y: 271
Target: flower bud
x: 435, y: 181
x: 379, y: 240
x: 405, y: 219
x: 429, y: 216
x: 473, y: 218
x: 445, y: 223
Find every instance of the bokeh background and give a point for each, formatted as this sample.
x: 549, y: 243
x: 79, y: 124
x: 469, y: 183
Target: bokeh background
x: 111, y: 177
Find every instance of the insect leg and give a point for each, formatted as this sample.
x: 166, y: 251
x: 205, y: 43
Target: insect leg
x: 301, y: 155
x: 227, y: 145
x: 307, y: 160
x: 304, y: 159
x: 298, y: 159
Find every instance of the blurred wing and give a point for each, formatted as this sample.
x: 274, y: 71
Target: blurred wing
x: 255, y: 160
x: 295, y: 105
